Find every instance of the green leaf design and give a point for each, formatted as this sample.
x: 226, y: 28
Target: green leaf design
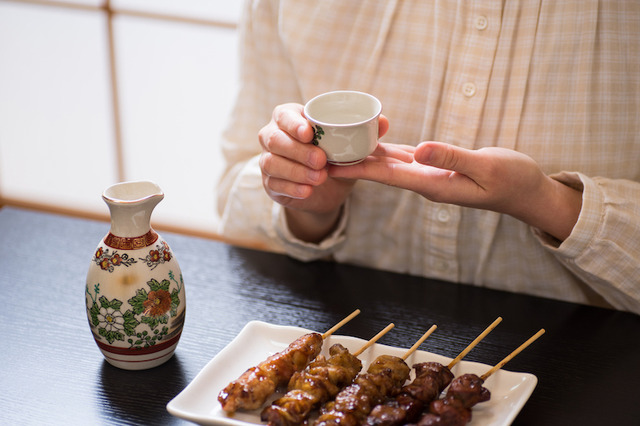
x: 116, y: 304
x: 317, y: 135
x: 106, y: 303
x: 154, y: 321
x: 165, y: 285
x: 94, y: 311
x: 175, y: 302
x: 154, y: 285
x: 137, y: 301
x: 111, y: 336
x: 130, y: 323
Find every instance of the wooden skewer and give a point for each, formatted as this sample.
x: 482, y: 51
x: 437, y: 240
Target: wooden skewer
x: 512, y: 354
x: 419, y: 342
x: 340, y: 324
x: 373, y: 339
x: 474, y: 343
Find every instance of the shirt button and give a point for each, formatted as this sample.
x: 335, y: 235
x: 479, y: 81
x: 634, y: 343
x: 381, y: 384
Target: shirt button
x: 481, y: 23
x: 469, y: 89
x: 444, y: 215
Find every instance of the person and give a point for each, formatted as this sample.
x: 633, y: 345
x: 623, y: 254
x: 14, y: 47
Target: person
x: 509, y: 154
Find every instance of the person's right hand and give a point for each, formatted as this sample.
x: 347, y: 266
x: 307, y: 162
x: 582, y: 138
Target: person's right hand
x: 294, y: 173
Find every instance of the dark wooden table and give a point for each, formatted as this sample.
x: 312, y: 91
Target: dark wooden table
x: 51, y: 372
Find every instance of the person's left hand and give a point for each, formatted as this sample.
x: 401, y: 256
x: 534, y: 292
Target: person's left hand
x: 497, y: 179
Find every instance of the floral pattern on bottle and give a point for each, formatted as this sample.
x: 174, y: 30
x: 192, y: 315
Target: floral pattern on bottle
x: 160, y: 255
x: 151, y: 307
x: 108, y: 261
x: 135, y: 295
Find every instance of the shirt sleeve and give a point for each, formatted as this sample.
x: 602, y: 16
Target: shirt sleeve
x: 603, y: 249
x: 265, y: 81
x: 248, y: 215
x: 305, y: 251
x: 251, y: 218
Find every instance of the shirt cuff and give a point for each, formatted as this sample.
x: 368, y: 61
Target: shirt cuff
x: 589, y: 221
x: 303, y: 250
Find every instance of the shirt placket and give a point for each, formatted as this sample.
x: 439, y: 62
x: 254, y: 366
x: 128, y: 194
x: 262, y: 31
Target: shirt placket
x: 469, y: 67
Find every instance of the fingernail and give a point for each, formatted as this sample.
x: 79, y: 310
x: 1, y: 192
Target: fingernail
x: 301, y: 129
x: 314, y: 175
x: 316, y: 158
x: 423, y: 155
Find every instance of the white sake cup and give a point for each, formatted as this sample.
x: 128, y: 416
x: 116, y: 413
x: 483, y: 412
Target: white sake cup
x: 345, y: 125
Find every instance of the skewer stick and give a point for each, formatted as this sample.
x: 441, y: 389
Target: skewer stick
x: 512, y: 354
x: 340, y: 324
x: 419, y: 342
x: 373, y: 339
x: 474, y: 343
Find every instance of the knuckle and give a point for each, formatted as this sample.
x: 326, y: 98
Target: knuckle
x: 269, y: 140
x: 266, y: 161
x: 263, y: 135
x: 280, y: 113
x: 450, y: 158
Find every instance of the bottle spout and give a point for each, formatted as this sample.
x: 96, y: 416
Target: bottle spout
x: 131, y: 205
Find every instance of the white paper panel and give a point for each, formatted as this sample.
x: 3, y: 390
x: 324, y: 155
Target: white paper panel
x: 56, y: 139
x: 177, y: 82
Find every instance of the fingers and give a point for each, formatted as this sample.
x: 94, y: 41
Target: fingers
x: 402, y: 153
x: 290, y: 118
x: 384, y: 153
x: 292, y: 166
x: 383, y: 125
x: 446, y: 156
x: 282, y: 176
x: 289, y: 135
x: 382, y: 166
x: 284, y: 189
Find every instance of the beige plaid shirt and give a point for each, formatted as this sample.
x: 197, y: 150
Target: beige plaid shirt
x: 557, y: 80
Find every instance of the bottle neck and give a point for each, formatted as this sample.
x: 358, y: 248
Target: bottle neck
x: 130, y: 205
x: 130, y: 220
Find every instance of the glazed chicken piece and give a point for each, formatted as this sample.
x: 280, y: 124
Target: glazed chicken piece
x: 431, y: 379
x: 352, y: 405
x: 255, y: 385
x: 455, y: 408
x: 319, y: 382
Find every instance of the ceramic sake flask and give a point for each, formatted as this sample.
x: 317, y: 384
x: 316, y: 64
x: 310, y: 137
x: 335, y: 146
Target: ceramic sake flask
x: 135, y: 295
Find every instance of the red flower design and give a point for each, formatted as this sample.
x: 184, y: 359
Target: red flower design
x: 166, y: 255
x: 99, y: 253
x: 154, y: 255
x: 116, y: 259
x: 105, y: 264
x: 158, y: 303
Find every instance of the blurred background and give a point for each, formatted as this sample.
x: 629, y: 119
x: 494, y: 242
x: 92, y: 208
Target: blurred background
x: 94, y: 92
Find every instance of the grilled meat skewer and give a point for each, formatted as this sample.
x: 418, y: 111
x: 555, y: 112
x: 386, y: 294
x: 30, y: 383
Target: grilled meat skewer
x: 431, y: 379
x: 383, y: 379
x: 319, y: 382
x: 464, y: 392
x: 455, y: 408
x: 255, y: 385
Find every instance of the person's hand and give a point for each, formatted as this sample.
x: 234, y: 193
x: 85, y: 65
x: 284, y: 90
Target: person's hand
x: 497, y: 179
x: 294, y: 173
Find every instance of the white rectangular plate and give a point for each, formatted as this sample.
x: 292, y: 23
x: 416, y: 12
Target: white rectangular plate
x: 198, y: 402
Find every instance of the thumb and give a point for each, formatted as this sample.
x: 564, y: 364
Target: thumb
x: 383, y: 125
x: 444, y: 156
